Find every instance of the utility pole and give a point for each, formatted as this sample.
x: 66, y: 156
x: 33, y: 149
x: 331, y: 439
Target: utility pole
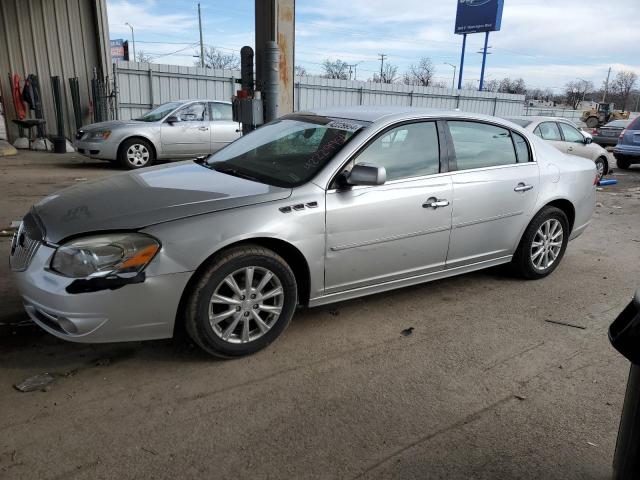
x: 201, y: 44
x: 606, y: 86
x: 453, y: 81
x: 382, y: 57
x: 133, y: 40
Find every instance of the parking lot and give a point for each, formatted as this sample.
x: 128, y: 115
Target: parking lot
x: 486, y: 385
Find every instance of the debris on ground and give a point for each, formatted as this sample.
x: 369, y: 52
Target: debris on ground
x: 520, y: 397
x: 103, y: 362
x: 566, y: 324
x: 334, y: 312
x: 592, y: 444
x: 37, y: 382
x: 407, y: 331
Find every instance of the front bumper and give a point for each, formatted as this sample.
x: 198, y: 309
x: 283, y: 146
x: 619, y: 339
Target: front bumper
x: 103, y: 150
x: 141, y: 311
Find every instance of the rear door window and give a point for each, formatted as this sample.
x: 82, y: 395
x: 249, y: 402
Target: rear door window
x: 479, y: 145
x: 548, y: 131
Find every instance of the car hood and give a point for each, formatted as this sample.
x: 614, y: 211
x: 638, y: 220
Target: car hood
x: 113, y: 124
x: 133, y: 200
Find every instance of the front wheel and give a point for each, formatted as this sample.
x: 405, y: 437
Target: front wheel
x: 602, y: 167
x: 136, y: 153
x: 242, y: 302
x: 543, y: 244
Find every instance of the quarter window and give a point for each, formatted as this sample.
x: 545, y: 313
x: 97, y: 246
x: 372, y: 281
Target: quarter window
x: 548, y: 131
x: 221, y: 111
x: 521, y: 148
x: 410, y: 150
x: 480, y: 145
x: 571, y: 134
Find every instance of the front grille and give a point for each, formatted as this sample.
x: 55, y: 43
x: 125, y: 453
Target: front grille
x: 25, y: 243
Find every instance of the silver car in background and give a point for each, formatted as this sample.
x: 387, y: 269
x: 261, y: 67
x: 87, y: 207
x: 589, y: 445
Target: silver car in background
x: 174, y: 130
x: 312, y: 208
x: 565, y: 136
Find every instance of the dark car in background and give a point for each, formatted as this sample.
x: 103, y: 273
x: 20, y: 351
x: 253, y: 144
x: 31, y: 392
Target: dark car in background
x: 607, y: 135
x: 627, y: 151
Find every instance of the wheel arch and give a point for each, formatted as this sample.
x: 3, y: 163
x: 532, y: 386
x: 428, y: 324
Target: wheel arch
x: 291, y: 254
x: 141, y: 137
x: 566, y: 206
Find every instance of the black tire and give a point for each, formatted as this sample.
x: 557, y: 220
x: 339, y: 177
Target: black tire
x: 592, y: 122
x: 522, y: 263
x: 136, y: 153
x: 605, y: 166
x: 198, y: 306
x: 622, y: 162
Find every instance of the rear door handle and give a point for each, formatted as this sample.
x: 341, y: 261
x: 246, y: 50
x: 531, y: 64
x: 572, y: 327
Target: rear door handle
x: 204, y: 129
x: 521, y: 187
x: 434, y: 203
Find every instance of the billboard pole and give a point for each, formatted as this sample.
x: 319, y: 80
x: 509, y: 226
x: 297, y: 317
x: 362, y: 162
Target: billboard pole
x: 484, y: 60
x: 464, y: 44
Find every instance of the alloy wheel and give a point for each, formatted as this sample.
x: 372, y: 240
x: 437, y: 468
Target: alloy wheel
x: 138, y: 155
x: 547, y: 244
x: 246, y: 305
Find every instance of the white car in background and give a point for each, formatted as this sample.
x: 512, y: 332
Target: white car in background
x: 567, y: 138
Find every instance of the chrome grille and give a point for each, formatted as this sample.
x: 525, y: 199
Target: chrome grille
x: 24, y: 244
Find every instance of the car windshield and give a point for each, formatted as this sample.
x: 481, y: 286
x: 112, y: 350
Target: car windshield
x: 160, y: 112
x: 520, y: 121
x: 287, y: 152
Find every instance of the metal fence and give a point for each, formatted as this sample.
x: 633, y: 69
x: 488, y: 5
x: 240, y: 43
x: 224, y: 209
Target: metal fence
x: 141, y: 86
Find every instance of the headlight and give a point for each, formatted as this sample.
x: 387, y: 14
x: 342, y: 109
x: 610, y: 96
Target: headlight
x: 118, y: 254
x: 99, y: 134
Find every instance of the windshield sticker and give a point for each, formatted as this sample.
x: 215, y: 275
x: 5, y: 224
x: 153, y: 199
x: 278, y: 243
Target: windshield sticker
x: 344, y: 125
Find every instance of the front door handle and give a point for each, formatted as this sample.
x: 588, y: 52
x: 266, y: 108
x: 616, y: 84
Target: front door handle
x: 434, y: 203
x: 203, y: 129
x: 521, y: 187
x: 570, y: 149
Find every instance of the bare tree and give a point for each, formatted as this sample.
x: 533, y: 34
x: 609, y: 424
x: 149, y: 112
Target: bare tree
x: 214, y: 58
x: 623, y: 84
x: 389, y: 74
x: 575, y: 91
x: 335, y: 69
x: 491, y: 85
x: 470, y: 85
x: 300, y: 71
x: 142, y: 56
x: 517, y: 86
x: 420, y: 74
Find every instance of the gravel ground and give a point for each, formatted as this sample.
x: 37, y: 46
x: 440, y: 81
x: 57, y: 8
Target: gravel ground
x: 484, y: 387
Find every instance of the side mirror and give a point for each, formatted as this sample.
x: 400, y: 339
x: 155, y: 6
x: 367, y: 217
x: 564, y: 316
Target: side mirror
x: 366, y: 174
x: 588, y: 140
x: 172, y: 119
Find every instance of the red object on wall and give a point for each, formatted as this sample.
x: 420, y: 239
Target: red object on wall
x: 18, y: 104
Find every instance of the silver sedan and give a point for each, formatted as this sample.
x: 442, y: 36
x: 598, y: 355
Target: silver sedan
x: 312, y: 208
x: 174, y: 130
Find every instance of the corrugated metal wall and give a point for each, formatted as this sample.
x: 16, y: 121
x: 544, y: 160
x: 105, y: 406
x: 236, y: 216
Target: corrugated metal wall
x: 173, y: 83
x: 68, y: 38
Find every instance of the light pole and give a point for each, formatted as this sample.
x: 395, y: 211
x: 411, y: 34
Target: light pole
x: 133, y: 40
x: 453, y: 82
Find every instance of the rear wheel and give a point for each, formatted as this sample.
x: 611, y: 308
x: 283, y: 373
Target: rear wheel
x: 622, y: 162
x: 242, y: 302
x: 136, y: 153
x: 543, y: 244
x: 602, y: 166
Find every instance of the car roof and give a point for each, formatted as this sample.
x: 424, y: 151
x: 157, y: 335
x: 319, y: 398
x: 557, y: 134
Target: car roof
x: 369, y: 113
x: 540, y: 118
x: 190, y: 100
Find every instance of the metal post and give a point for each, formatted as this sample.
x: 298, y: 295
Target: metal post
x: 115, y: 92
x: 270, y: 86
x: 151, y: 100
x: 464, y: 44
x: 133, y: 40
x: 201, y: 44
x: 453, y: 80
x: 361, y: 95
x: 484, y: 60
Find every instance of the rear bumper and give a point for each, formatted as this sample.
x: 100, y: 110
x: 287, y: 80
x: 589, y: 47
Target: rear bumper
x: 627, y: 150
x: 141, y: 311
x: 609, y: 141
x: 101, y: 150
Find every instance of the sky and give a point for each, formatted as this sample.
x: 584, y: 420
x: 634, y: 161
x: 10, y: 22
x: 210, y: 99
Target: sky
x: 546, y: 42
